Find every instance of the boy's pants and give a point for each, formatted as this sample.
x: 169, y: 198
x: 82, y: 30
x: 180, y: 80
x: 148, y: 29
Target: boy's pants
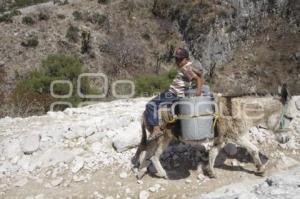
x: 151, y: 112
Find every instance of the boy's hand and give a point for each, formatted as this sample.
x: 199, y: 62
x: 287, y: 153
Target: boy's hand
x: 197, y: 92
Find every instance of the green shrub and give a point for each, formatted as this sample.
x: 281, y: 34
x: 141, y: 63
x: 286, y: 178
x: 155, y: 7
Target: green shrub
x: 97, y: 18
x: 8, y: 17
x: 61, y: 16
x: 56, y: 67
x: 43, y: 16
x: 146, y: 36
x: 77, y: 15
x: 24, y: 3
x: 28, y: 20
x: 230, y: 28
x: 32, y: 41
x: 103, y: 1
x: 72, y: 33
x: 151, y: 83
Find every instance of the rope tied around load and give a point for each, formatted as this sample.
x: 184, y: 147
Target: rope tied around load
x: 189, y: 116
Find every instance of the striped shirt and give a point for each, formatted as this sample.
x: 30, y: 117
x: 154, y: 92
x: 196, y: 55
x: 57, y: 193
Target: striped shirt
x: 183, y: 79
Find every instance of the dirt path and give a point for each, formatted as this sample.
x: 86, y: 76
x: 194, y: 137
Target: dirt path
x: 107, y: 183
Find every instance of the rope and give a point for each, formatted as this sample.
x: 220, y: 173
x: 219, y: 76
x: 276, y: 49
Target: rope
x: 182, y: 117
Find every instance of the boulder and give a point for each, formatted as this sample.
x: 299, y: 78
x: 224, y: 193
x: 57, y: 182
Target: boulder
x: 127, y: 139
x: 30, y: 143
x: 77, y: 164
x: 11, y: 148
x: 54, y: 156
x: 297, y: 102
x: 144, y: 195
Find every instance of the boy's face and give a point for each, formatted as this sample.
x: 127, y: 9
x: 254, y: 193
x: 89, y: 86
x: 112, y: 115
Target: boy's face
x: 180, y: 62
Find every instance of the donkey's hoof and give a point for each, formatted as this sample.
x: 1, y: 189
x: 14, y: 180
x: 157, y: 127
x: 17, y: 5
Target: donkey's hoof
x: 261, y: 173
x: 211, y: 174
x: 165, y: 176
x: 140, y: 175
x: 261, y: 170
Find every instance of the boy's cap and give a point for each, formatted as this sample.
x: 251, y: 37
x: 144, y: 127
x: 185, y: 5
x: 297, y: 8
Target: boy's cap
x: 181, y: 53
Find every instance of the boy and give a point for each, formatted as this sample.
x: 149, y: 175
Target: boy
x: 185, y: 75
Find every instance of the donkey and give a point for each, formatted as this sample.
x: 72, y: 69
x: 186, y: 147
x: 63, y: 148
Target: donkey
x: 231, y: 126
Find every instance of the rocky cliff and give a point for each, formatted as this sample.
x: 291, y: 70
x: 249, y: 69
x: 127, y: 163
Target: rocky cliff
x: 244, y: 45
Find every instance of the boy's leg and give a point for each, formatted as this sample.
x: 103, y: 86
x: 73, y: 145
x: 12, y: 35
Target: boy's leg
x: 151, y: 112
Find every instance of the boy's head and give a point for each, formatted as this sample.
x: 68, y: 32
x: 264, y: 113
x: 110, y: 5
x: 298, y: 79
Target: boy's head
x: 181, y: 57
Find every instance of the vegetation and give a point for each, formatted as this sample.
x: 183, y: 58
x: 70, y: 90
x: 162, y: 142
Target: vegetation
x: 28, y: 20
x: 150, y: 84
x: 32, y: 41
x: 97, y: 18
x: 103, y: 1
x: 77, y: 15
x: 85, y: 42
x: 34, y: 93
x: 230, y: 28
x: 43, y: 16
x: 9, y: 5
x: 61, y: 16
x: 8, y: 17
x: 72, y: 33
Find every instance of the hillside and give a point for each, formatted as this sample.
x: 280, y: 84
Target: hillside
x: 245, y: 46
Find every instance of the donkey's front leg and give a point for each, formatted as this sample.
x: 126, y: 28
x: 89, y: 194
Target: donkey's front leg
x: 163, y: 142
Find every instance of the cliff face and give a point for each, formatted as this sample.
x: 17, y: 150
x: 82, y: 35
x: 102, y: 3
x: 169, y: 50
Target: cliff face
x: 244, y: 45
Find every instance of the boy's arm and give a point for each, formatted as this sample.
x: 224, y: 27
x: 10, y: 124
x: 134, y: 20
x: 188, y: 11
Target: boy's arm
x: 192, y: 76
x: 198, y: 80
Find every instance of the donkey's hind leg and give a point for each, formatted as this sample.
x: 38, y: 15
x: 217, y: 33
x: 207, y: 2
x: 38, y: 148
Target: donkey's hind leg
x: 254, y: 152
x: 213, y: 153
x: 142, y: 169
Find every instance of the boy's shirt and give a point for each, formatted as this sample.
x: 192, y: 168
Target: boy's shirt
x: 183, y: 79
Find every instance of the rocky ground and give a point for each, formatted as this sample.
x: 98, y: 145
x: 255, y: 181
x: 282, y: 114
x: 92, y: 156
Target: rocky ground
x: 86, y: 152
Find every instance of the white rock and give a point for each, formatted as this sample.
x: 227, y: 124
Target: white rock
x: 57, y: 181
x: 144, y: 195
x: 127, y: 190
x: 54, y: 156
x: 230, y: 149
x: 140, y: 182
x: 201, y: 177
x: 152, y: 189
x: 30, y: 143
x: 127, y: 139
x: 234, y: 163
x: 95, y: 137
x: 297, y: 102
x: 11, y: 148
x: 77, y: 164
x: 78, y: 179
x: 123, y: 175
x: 96, y: 147
x: 22, y: 182
x: 119, y: 183
x: 40, y: 196
x: 188, y: 181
